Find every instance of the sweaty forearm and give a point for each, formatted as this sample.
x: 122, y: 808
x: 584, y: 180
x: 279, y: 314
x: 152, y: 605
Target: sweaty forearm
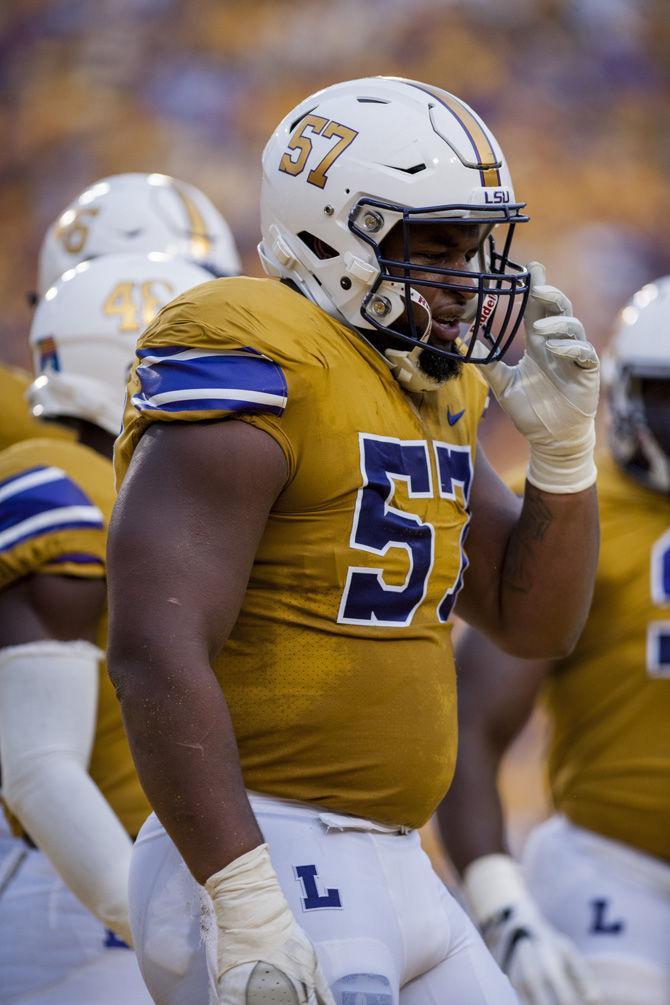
x: 548, y: 572
x: 182, y: 741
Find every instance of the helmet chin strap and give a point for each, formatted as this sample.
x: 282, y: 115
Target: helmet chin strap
x: 405, y: 363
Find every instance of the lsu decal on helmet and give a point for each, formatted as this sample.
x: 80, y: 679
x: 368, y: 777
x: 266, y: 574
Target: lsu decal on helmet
x: 359, y: 158
x: 136, y: 214
x: 85, y: 328
x: 636, y: 371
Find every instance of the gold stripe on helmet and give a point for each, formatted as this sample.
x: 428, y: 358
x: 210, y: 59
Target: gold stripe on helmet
x: 201, y: 242
x: 487, y: 161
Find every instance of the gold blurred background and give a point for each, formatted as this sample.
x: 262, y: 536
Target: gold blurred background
x: 577, y: 92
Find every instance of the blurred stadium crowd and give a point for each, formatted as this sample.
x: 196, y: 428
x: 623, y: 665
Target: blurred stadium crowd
x: 576, y: 91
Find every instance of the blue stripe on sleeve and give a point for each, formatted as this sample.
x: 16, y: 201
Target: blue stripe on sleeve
x: 40, y: 500
x: 77, y: 558
x: 178, y: 380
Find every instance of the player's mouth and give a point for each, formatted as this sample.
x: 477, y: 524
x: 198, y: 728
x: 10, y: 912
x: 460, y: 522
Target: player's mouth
x: 446, y: 324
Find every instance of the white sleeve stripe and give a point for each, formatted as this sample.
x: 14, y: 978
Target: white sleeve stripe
x: 198, y: 354
x: 205, y: 393
x: 43, y: 521
x: 31, y: 481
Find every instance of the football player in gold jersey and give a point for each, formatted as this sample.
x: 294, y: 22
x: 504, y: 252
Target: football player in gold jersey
x: 68, y: 776
x: 595, y: 878
x: 298, y: 476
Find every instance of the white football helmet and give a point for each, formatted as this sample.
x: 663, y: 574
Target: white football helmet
x: 85, y: 328
x: 136, y: 214
x: 358, y: 158
x: 639, y: 352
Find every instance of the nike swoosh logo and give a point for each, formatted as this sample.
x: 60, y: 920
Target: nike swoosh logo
x: 453, y: 419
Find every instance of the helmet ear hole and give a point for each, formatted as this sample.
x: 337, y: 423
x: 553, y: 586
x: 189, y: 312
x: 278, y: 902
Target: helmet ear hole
x: 318, y: 247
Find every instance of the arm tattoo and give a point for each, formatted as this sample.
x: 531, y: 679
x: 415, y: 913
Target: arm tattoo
x: 520, y: 562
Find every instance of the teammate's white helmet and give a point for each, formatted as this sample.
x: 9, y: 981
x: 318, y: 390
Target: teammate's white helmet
x: 639, y: 351
x: 136, y: 214
x: 357, y: 158
x: 86, y: 326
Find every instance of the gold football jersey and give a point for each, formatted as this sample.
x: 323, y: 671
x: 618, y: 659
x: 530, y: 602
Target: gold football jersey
x: 609, y: 763
x: 16, y: 422
x: 339, y: 672
x: 55, y: 503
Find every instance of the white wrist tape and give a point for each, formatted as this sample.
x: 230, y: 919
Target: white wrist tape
x: 564, y: 466
x: 48, y: 701
x: 492, y: 883
x: 259, y: 938
x: 246, y: 897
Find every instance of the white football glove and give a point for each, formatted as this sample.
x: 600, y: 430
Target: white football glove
x: 263, y: 956
x: 544, y: 966
x: 551, y: 395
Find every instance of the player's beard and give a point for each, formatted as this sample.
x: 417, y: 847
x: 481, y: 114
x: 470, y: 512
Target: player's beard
x: 440, y: 368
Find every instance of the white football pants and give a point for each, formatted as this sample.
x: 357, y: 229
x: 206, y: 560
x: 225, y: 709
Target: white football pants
x: 613, y: 902
x: 52, y: 950
x: 386, y: 930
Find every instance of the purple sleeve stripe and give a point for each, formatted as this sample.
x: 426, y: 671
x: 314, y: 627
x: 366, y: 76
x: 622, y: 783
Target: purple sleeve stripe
x: 77, y: 558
